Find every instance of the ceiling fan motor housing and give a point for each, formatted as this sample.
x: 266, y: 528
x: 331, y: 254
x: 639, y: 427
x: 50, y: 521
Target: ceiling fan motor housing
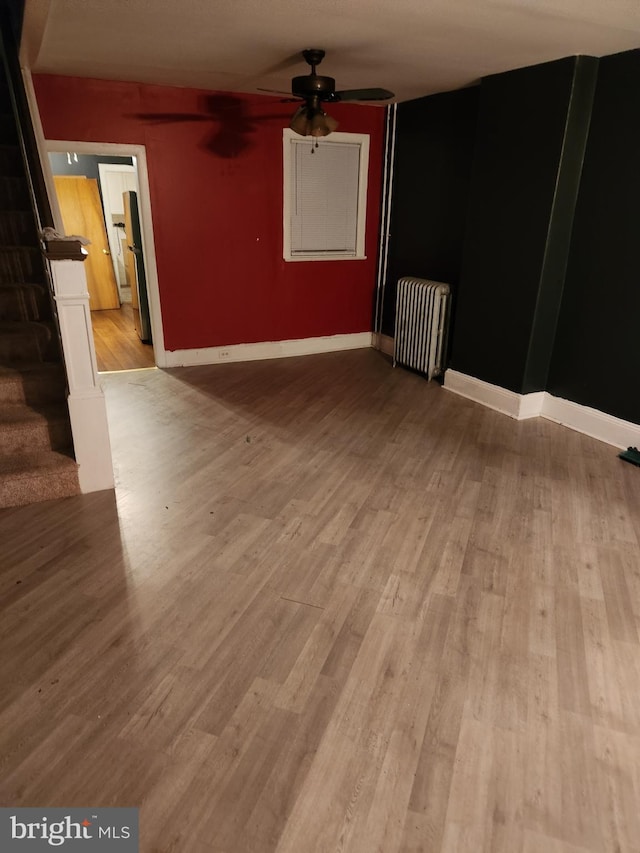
x: 313, y: 84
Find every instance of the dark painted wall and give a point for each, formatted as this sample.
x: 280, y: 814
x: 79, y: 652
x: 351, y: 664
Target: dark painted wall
x: 596, y: 360
x: 434, y: 148
x: 520, y: 136
x: 548, y: 289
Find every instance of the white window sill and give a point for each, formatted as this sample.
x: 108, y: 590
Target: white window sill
x: 324, y: 257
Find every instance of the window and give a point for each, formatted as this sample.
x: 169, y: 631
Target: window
x: 325, y: 195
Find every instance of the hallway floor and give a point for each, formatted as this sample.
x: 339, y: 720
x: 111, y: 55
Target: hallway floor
x: 118, y: 346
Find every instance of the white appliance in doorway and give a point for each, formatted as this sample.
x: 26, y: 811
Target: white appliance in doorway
x: 115, y: 179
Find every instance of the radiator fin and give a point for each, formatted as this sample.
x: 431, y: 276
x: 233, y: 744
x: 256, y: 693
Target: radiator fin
x: 422, y: 308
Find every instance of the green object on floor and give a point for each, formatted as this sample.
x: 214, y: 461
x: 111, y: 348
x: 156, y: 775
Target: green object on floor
x: 631, y: 454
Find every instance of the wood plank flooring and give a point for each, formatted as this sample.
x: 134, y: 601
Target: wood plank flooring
x: 118, y: 346
x: 331, y: 607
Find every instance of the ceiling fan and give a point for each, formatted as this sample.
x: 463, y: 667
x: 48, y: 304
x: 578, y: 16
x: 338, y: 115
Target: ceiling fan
x: 314, y: 90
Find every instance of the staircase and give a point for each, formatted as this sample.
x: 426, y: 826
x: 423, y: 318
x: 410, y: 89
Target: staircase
x: 36, y: 458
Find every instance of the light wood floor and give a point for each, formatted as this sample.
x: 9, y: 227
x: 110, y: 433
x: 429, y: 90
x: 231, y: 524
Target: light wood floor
x: 118, y: 346
x: 331, y: 608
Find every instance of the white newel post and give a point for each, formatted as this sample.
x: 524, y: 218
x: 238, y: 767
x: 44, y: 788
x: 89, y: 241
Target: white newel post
x: 87, y: 407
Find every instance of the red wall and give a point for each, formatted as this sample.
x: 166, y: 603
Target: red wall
x: 217, y: 210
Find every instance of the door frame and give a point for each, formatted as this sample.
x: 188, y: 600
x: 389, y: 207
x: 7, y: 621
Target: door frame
x: 116, y: 149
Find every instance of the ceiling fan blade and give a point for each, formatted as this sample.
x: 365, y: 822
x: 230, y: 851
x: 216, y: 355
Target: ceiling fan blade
x: 273, y: 91
x: 362, y: 95
x: 283, y: 65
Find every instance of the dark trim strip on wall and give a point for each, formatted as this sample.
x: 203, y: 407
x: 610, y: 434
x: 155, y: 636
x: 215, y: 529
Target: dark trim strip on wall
x: 558, y: 242
x: 385, y: 215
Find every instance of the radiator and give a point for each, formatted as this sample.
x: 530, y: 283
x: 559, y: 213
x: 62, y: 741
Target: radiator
x: 422, y: 309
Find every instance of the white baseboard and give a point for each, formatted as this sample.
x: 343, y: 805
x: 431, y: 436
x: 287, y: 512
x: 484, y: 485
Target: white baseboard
x: 532, y: 405
x: 583, y: 419
x: 518, y: 406
x: 591, y: 422
x: 266, y: 349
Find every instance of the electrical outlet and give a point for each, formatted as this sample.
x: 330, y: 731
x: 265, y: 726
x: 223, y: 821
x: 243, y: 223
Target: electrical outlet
x: 224, y: 353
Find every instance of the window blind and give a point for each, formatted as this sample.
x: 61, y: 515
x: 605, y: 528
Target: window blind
x: 324, y: 197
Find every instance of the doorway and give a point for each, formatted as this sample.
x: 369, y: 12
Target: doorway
x: 103, y: 196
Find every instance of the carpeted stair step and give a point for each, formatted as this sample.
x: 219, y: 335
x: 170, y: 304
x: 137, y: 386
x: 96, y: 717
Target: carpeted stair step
x: 23, y: 302
x: 18, y: 228
x: 24, y: 342
x: 32, y: 477
x: 8, y: 129
x: 21, y: 264
x: 36, y: 459
x: 32, y: 384
x: 24, y: 429
x: 14, y: 191
x: 11, y: 162
x: 5, y: 97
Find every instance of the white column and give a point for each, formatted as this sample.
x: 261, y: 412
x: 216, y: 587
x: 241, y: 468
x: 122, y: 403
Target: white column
x: 87, y: 406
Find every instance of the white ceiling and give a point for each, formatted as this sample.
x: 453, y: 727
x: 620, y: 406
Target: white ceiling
x: 413, y: 47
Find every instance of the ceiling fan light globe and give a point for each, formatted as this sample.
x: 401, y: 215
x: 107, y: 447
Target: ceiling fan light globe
x: 332, y: 124
x: 300, y: 123
x: 321, y: 124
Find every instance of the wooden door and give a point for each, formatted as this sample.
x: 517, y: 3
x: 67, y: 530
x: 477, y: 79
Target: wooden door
x: 81, y: 210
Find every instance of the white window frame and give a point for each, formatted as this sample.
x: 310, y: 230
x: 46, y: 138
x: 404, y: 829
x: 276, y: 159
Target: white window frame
x: 361, y: 139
